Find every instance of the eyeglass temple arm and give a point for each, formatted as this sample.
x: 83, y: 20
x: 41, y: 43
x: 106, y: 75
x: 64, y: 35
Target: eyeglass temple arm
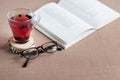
x: 59, y: 49
x: 25, y: 64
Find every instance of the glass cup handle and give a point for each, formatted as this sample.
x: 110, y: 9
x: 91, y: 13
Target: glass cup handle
x: 36, y: 20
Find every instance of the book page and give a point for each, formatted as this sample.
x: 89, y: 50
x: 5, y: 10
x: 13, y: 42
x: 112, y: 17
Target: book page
x: 93, y: 12
x: 60, y: 23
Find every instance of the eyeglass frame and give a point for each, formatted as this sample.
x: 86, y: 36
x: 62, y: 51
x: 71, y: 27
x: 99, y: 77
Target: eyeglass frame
x: 58, y: 48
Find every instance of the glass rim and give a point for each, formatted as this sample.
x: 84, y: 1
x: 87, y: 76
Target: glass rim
x: 12, y: 10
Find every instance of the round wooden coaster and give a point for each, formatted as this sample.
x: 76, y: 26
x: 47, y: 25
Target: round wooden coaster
x: 16, y: 47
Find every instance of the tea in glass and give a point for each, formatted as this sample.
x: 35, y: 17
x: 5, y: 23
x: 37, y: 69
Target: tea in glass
x: 21, y: 24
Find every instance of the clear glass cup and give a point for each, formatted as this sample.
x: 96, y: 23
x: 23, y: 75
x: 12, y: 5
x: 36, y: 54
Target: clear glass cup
x: 21, y: 22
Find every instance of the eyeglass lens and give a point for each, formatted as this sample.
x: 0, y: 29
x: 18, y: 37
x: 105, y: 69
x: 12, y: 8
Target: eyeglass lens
x: 49, y: 47
x: 32, y: 53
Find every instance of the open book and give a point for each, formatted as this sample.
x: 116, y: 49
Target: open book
x: 69, y: 21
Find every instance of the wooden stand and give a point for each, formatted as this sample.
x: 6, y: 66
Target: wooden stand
x: 16, y: 47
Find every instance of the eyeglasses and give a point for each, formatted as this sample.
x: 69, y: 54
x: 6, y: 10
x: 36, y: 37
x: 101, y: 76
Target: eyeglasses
x: 32, y: 53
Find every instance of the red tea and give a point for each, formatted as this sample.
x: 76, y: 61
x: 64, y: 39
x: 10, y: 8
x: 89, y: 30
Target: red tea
x: 21, y: 27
